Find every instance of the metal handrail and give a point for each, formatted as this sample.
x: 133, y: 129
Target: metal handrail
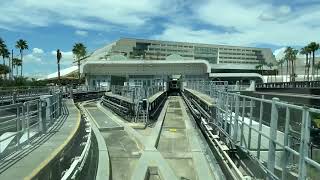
x: 30, y: 116
x: 79, y: 161
x: 295, y: 84
x: 237, y: 121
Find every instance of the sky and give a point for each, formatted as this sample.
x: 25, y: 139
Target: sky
x: 49, y: 25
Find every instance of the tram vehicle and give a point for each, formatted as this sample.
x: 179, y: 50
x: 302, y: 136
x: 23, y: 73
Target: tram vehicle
x: 174, y: 84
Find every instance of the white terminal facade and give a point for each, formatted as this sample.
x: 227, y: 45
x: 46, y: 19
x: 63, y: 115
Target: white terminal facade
x: 150, y: 62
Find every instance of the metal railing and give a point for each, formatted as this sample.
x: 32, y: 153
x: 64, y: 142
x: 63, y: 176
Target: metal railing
x: 129, y: 101
x: 22, y: 122
x: 296, y: 84
x: 13, y: 95
x: 78, y: 162
x: 136, y: 93
x: 206, y: 86
x: 276, y: 134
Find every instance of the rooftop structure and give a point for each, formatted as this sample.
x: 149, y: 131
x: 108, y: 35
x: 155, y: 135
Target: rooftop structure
x: 222, y: 58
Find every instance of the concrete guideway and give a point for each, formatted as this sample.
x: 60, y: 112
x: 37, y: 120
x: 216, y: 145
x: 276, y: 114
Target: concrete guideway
x: 169, y: 150
x: 179, y: 143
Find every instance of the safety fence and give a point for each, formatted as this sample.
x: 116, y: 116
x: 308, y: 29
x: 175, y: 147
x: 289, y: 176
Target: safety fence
x: 278, y: 136
x: 136, y: 93
x: 78, y: 162
x: 206, y: 86
x: 20, y: 94
x: 295, y: 84
x: 13, y: 95
x: 135, y: 103
x: 22, y: 122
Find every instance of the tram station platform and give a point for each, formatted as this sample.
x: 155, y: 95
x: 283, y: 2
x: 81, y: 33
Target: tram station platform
x: 44, y: 151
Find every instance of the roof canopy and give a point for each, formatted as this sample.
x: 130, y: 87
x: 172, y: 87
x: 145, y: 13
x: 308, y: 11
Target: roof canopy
x: 149, y: 67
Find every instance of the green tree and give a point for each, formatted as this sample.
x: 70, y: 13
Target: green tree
x: 291, y: 56
x: 305, y: 51
x: 4, y: 69
x: 5, y: 55
x: 259, y: 67
x: 4, y: 52
x: 59, y: 56
x: 313, y: 48
x: 2, y: 44
x: 79, y: 51
x: 287, y: 58
x: 16, y: 62
x: 317, y: 68
x: 21, y: 45
x: 280, y: 63
x: 270, y: 65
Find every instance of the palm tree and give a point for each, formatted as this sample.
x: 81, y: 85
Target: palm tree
x: 270, y: 65
x: 16, y: 62
x: 259, y: 67
x: 305, y: 51
x: 2, y: 49
x: 313, y: 48
x: 293, y: 60
x: 287, y: 58
x: 4, y: 69
x: 59, y: 56
x: 308, y: 70
x: 280, y: 63
x: 21, y: 45
x: 318, y: 67
x: 5, y: 54
x: 79, y: 51
x: 291, y: 56
x: 2, y: 44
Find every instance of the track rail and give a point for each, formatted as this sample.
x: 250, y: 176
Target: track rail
x: 220, y: 150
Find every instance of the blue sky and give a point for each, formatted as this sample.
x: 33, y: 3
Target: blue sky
x: 48, y: 25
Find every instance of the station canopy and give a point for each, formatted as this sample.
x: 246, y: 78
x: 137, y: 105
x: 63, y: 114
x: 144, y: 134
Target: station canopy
x: 146, y: 67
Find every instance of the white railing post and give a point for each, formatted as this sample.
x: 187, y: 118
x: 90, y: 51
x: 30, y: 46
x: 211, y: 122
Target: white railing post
x: 273, y: 135
x: 236, y: 119
x: 42, y: 116
x: 286, y: 143
x: 304, y: 143
x: 18, y: 126
x: 260, y: 127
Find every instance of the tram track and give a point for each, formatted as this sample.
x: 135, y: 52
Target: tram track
x: 172, y: 142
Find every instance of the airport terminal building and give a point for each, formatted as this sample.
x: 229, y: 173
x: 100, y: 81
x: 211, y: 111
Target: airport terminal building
x: 241, y: 59
x: 140, y: 60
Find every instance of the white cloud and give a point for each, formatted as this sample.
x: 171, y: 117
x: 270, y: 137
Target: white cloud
x: 67, y: 57
x: 279, y: 53
x: 247, y: 23
x: 37, y: 51
x: 81, y: 33
x: 80, y: 14
x: 36, y: 56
